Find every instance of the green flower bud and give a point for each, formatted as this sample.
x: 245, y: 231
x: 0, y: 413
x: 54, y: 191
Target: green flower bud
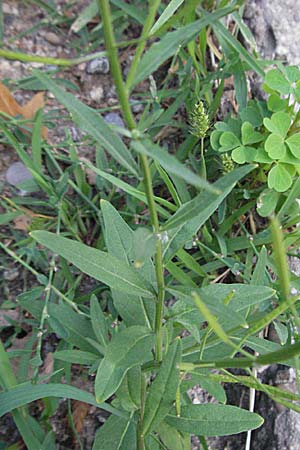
x: 199, y: 121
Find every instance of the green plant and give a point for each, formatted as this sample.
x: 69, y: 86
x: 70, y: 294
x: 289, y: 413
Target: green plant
x: 267, y: 133
x: 154, y: 326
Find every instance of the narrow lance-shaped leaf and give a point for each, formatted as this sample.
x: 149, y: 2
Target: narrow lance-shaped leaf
x: 95, y: 263
x: 184, y: 224
x: 163, y: 390
x: 214, y: 420
x: 171, y: 164
x: 133, y: 309
x: 91, y: 122
x: 284, y: 354
x: 27, y: 393
x: 169, y: 44
x: 98, y: 321
x: 116, y: 434
x: 128, y: 348
x: 206, y: 202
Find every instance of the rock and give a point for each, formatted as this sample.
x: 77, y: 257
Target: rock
x: 96, y: 94
x: 53, y: 38
x: 98, y: 65
x: 10, y: 275
x: 275, y: 25
x: 113, y: 118
x: 136, y: 106
x: 17, y: 173
x: 9, y: 9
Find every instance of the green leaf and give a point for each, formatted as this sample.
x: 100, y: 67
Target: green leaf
x: 244, y: 55
x: 76, y: 357
x: 8, y: 217
x: 143, y: 245
x: 277, y: 81
x: 267, y: 202
x: 92, y: 123
x: 210, y: 385
x: 159, y: 52
x: 120, y: 243
x: 27, y: 393
x: 275, y: 103
x: 168, y: 12
x: 172, y: 438
x: 292, y: 73
x: 98, y: 321
x: 95, y: 263
x: 171, y: 164
x: 278, y: 124
x: 249, y: 135
x: 294, y: 144
x: 215, y: 140
x: 275, y: 146
x: 128, y: 348
x: 228, y: 141
x: 244, y: 296
x: 214, y: 420
x: 202, y: 207
x: 243, y: 154
x: 116, y: 434
x: 279, y: 178
x: 162, y: 391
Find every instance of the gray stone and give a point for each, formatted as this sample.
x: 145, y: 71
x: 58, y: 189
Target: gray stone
x: 53, y: 38
x: 113, y: 118
x: 275, y: 25
x: 98, y: 65
x: 17, y: 173
x: 96, y: 94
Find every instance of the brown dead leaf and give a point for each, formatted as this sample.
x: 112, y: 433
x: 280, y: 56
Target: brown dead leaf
x: 22, y: 222
x: 80, y: 412
x: 9, y: 106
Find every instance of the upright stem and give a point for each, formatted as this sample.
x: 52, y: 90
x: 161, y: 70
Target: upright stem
x: 129, y: 119
x: 112, y: 52
x: 154, y: 4
x: 140, y: 436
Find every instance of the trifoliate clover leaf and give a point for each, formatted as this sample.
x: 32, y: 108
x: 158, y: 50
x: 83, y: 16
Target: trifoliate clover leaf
x: 261, y: 156
x: 278, y: 124
x: 275, y: 146
x: 228, y: 141
x: 243, y: 154
x: 292, y: 73
x: 249, y: 135
x: 279, y: 178
x: 294, y: 144
x: 275, y: 103
x: 215, y: 139
x: 267, y: 202
x: 274, y: 79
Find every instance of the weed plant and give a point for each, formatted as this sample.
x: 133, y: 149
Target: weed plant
x: 185, y: 281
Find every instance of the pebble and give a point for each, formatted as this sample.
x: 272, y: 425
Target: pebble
x: 17, y: 173
x: 96, y: 94
x: 9, y: 9
x: 98, y: 65
x: 136, y: 106
x: 113, y: 118
x: 52, y: 38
